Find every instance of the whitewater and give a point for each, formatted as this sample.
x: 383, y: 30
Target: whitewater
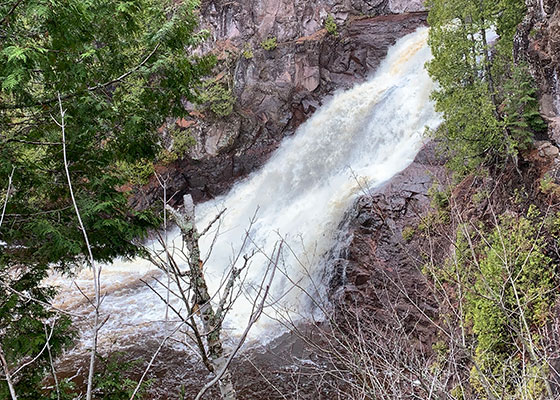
x: 358, y: 140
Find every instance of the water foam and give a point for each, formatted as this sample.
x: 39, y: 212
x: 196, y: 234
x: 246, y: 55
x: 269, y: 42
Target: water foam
x: 362, y: 137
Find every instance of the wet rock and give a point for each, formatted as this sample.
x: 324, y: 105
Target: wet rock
x: 382, y: 264
x: 277, y: 90
x: 401, y: 6
x: 547, y: 149
x: 538, y: 43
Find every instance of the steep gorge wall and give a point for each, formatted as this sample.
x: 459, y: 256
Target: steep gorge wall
x: 538, y: 43
x: 385, y: 254
x: 277, y: 90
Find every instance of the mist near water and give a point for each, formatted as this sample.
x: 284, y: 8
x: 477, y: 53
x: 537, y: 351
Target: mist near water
x: 358, y: 140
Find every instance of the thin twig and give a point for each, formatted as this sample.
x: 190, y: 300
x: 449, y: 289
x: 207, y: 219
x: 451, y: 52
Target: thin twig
x: 21, y: 367
x: 7, y: 195
x: 6, y: 369
x: 257, y: 311
x: 56, y: 385
x: 95, y: 270
x: 5, y: 17
x: 152, y: 361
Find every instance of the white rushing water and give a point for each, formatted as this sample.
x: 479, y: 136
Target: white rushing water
x: 361, y: 138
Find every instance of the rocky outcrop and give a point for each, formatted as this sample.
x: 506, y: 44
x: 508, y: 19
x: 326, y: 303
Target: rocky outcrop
x: 255, y: 20
x: 538, y: 42
x: 276, y: 90
x: 380, y: 270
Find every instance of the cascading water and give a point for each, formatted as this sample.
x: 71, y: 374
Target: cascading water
x: 361, y: 138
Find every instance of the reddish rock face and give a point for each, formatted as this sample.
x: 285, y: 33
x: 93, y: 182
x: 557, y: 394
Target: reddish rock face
x: 383, y: 260
x: 276, y: 90
x: 401, y: 6
x: 538, y: 42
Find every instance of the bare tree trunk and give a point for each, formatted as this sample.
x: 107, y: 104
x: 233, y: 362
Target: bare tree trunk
x: 95, y: 270
x: 163, y: 184
x: 6, y: 369
x: 211, y: 320
x: 53, y: 371
x: 488, y: 71
x: 7, y: 196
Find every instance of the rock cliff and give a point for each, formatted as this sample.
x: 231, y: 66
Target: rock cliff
x: 380, y: 270
x: 538, y: 43
x: 276, y: 90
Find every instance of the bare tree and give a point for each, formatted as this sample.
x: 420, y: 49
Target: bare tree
x: 6, y: 369
x: 363, y: 353
x: 5, y: 366
x: 7, y: 196
x: 204, y: 312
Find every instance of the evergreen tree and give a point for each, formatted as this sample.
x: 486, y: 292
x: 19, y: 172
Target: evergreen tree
x: 120, y: 68
x: 473, y: 75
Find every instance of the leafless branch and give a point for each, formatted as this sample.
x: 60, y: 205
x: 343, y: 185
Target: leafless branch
x: 21, y: 367
x: 8, y: 190
x: 6, y: 369
x: 154, y: 356
x: 96, y: 271
x: 10, y: 12
x: 255, y: 315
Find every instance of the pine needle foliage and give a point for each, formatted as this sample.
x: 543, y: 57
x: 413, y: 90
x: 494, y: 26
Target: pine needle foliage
x: 120, y: 69
x: 487, y: 102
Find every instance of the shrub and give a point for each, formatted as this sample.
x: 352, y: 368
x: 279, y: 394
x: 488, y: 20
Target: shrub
x: 247, y: 52
x: 501, y: 280
x: 218, y: 97
x: 136, y: 173
x: 330, y: 25
x: 183, y: 141
x: 269, y: 44
x: 408, y: 233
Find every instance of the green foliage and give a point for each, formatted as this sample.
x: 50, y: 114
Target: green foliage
x: 24, y: 328
x: 548, y: 186
x: 218, y: 97
x: 120, y: 69
x: 488, y: 104
x: 109, y: 382
x: 136, y: 173
x: 330, y: 25
x: 269, y: 44
x: 439, y: 198
x: 79, y: 50
x: 520, y: 107
x: 183, y: 141
x: 479, y: 196
x: 66, y: 391
x: 408, y: 233
x: 440, y: 213
x: 508, y: 284
x: 432, y: 220
x: 247, y: 52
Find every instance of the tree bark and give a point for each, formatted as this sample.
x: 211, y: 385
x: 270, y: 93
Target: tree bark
x: 212, y: 324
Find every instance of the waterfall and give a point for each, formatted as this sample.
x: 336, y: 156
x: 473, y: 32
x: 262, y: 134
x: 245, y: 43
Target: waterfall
x: 358, y: 140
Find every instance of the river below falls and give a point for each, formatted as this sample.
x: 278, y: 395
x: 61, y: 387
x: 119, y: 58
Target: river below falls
x: 358, y: 140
